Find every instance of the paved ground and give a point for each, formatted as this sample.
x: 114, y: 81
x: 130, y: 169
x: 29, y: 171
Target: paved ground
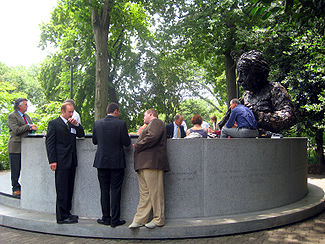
x: 309, y: 231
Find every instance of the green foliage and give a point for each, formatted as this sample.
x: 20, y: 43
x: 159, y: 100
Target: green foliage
x: 70, y: 32
x: 295, y: 48
x: 190, y: 107
x: 307, y: 84
x: 4, y: 155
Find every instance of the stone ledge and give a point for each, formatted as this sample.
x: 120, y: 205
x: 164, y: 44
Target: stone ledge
x: 312, y: 204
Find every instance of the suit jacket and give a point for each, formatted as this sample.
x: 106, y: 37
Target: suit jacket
x: 110, y: 134
x: 150, y: 150
x: 170, y: 130
x: 61, y: 143
x: 17, y: 130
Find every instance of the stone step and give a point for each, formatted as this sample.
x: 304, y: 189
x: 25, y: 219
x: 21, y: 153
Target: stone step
x: 11, y: 215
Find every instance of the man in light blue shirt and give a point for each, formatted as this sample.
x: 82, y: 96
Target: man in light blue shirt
x: 241, y: 123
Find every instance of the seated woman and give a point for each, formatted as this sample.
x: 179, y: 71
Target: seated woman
x: 215, y: 130
x: 197, y: 121
x: 214, y: 121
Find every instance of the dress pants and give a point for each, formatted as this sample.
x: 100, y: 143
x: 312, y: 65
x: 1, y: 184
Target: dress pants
x: 238, y: 132
x: 151, y: 188
x: 64, y: 184
x: 110, y: 182
x: 15, y: 166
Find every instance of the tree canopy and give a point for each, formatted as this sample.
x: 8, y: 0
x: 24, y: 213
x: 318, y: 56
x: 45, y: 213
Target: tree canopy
x: 167, y: 54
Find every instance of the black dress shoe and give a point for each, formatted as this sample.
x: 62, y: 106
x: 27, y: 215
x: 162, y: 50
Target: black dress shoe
x: 103, y: 222
x: 67, y: 221
x: 120, y: 222
x: 72, y: 216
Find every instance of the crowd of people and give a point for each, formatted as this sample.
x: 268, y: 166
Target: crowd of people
x: 264, y: 105
x: 241, y: 123
x: 110, y: 134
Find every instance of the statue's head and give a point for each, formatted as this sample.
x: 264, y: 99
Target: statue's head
x: 252, y: 71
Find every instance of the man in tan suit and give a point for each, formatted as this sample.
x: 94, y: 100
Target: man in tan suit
x: 20, y: 125
x: 150, y: 162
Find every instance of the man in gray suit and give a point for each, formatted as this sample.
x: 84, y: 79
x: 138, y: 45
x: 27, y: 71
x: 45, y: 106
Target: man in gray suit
x: 150, y: 162
x: 110, y: 134
x: 20, y: 125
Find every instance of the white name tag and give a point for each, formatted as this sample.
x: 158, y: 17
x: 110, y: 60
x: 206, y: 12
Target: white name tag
x: 73, y: 131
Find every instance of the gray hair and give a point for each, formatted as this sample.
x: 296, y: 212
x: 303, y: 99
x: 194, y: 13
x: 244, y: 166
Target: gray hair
x: 19, y: 101
x: 235, y: 100
x: 177, y: 117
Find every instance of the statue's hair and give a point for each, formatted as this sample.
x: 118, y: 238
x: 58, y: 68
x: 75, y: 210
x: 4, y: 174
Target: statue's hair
x: 254, y: 60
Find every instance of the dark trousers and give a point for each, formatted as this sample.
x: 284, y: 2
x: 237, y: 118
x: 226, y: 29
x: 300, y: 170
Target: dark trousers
x: 64, y: 185
x: 110, y: 182
x: 15, y: 166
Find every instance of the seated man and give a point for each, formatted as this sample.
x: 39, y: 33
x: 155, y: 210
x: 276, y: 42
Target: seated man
x: 175, y: 129
x: 245, y: 120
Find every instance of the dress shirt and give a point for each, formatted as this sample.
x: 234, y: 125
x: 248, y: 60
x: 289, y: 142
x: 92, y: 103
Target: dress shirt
x: 22, y: 116
x: 176, y: 132
x: 205, y: 125
x: 184, y: 125
x: 243, y: 116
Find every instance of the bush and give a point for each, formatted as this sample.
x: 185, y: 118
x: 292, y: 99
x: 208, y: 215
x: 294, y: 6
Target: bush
x: 4, y: 156
x: 312, y: 157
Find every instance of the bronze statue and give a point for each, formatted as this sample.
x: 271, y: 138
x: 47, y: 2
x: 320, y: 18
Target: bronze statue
x: 269, y: 101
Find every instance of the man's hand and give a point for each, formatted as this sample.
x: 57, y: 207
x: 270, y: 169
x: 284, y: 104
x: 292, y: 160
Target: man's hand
x: 53, y: 166
x: 33, y: 127
x: 73, y: 121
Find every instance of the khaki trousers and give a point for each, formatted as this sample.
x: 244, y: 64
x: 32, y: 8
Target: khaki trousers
x: 151, y: 188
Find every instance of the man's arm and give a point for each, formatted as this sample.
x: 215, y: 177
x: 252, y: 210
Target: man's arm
x: 126, y: 141
x: 232, y: 119
x: 80, y: 131
x: 51, y: 143
x: 153, y: 135
x: 94, y: 135
x: 78, y: 127
x: 15, y: 127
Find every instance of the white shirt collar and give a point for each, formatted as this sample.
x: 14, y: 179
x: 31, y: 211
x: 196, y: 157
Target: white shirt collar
x: 64, y: 120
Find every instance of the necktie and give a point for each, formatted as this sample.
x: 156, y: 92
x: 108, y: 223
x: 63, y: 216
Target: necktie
x: 68, y: 125
x: 178, y: 133
x: 25, y: 119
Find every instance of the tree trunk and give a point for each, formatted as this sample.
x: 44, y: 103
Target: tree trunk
x: 111, y: 91
x: 230, y: 77
x: 319, y: 146
x: 101, y: 24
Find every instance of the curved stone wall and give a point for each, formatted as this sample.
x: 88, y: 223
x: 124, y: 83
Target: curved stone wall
x: 208, y: 177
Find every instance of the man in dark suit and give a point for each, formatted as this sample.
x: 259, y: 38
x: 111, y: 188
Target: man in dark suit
x: 62, y: 156
x: 175, y: 129
x: 150, y: 163
x: 20, y: 125
x: 110, y: 134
